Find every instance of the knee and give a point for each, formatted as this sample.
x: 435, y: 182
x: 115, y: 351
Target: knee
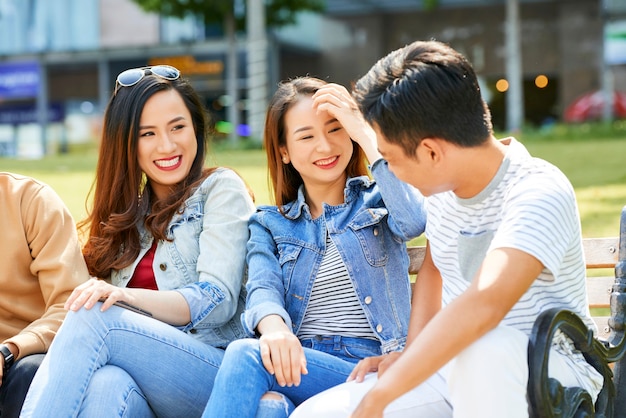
x: 274, y: 404
x: 109, y: 376
x: 84, y: 323
x: 273, y: 396
x: 77, y: 320
x: 246, y: 349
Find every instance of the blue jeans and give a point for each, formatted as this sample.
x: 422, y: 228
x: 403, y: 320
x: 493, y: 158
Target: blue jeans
x: 121, y: 364
x: 242, y: 379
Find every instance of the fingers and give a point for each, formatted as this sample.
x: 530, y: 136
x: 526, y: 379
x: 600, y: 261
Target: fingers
x: 298, y: 364
x: 387, y: 362
x: 334, y: 89
x: 266, y: 357
x: 363, y: 367
x: 282, y: 355
x: 332, y: 98
x: 290, y: 359
x: 89, y: 293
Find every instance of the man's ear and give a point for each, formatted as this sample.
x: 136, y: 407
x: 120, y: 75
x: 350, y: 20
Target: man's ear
x: 430, y: 149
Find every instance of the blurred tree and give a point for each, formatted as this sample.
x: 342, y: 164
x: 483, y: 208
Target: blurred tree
x: 430, y: 4
x: 278, y: 12
x: 231, y: 14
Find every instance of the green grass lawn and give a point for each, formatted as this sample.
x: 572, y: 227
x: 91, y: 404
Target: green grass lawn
x: 596, y: 168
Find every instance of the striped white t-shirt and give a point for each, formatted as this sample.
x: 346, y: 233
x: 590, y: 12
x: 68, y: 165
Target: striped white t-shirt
x: 529, y: 205
x: 334, y: 308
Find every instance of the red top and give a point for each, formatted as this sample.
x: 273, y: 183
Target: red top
x: 143, y: 277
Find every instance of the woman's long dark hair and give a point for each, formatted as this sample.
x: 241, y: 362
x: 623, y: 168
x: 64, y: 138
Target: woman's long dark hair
x: 122, y: 196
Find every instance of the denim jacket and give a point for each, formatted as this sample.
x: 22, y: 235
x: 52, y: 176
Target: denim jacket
x: 205, y: 261
x: 370, y: 230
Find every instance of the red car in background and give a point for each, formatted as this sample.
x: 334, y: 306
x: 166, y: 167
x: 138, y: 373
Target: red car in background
x: 590, y: 107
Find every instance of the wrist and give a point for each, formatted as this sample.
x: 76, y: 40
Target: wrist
x: 381, y: 394
x: 9, y: 353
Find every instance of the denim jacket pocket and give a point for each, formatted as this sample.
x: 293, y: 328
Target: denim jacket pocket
x: 369, y: 228
x: 472, y: 251
x: 186, y: 229
x: 287, y: 255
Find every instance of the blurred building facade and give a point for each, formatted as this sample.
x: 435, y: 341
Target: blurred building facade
x: 561, y: 45
x: 59, y: 59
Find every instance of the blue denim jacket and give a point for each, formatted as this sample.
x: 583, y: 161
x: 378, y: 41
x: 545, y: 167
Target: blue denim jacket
x: 205, y: 261
x: 370, y: 230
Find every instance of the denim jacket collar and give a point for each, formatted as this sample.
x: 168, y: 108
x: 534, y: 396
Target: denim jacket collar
x: 295, y: 209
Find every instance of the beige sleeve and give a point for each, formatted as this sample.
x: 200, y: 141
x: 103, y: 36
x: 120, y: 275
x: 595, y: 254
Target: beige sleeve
x: 57, y: 262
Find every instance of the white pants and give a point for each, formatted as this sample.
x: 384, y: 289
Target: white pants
x: 487, y: 380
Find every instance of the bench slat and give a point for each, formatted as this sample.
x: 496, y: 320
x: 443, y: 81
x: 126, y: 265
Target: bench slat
x: 416, y: 257
x: 603, y: 327
x: 601, y: 252
x: 599, y: 291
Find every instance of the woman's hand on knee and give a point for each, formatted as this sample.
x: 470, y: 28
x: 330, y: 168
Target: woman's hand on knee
x: 283, y: 356
x: 89, y: 293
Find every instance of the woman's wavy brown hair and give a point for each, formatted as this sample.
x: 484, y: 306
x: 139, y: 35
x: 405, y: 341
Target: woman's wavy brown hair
x: 285, y: 179
x: 122, y: 195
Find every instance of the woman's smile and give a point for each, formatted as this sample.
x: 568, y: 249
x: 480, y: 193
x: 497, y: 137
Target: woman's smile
x: 327, y: 163
x: 169, y: 164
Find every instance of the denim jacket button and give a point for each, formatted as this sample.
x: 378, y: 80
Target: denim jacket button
x: 379, y: 328
x: 163, y: 266
x: 193, y: 331
x: 368, y: 300
x: 375, y: 232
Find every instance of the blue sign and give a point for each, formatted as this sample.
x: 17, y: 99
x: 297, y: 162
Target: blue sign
x: 19, y: 114
x: 19, y: 80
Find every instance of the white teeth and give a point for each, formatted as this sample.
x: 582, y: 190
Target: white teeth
x: 326, y: 161
x: 167, y: 163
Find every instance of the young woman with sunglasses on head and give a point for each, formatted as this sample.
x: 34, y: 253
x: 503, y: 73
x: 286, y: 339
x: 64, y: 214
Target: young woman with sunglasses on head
x: 167, y: 236
x: 328, y: 282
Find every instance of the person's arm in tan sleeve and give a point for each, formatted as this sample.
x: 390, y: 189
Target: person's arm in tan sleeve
x: 57, y: 262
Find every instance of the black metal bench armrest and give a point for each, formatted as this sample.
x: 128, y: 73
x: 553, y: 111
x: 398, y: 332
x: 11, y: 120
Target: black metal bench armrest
x: 547, y: 397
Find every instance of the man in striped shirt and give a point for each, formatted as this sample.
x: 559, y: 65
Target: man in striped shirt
x: 504, y: 240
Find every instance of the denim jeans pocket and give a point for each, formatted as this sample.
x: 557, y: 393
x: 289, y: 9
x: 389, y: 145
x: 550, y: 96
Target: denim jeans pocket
x: 358, y: 350
x: 346, y: 348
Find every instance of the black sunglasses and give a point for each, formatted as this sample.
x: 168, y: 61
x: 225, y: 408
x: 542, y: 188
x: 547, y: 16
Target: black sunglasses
x: 134, y: 75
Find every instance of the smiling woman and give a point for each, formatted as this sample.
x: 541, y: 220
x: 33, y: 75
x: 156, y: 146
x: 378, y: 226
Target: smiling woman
x: 326, y: 264
x: 168, y: 237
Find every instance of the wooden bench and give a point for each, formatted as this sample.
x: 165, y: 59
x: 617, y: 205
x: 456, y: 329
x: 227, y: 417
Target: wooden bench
x: 605, y: 350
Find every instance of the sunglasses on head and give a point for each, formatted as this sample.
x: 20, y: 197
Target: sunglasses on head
x: 134, y: 75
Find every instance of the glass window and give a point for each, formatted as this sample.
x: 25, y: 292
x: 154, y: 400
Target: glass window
x: 42, y: 25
